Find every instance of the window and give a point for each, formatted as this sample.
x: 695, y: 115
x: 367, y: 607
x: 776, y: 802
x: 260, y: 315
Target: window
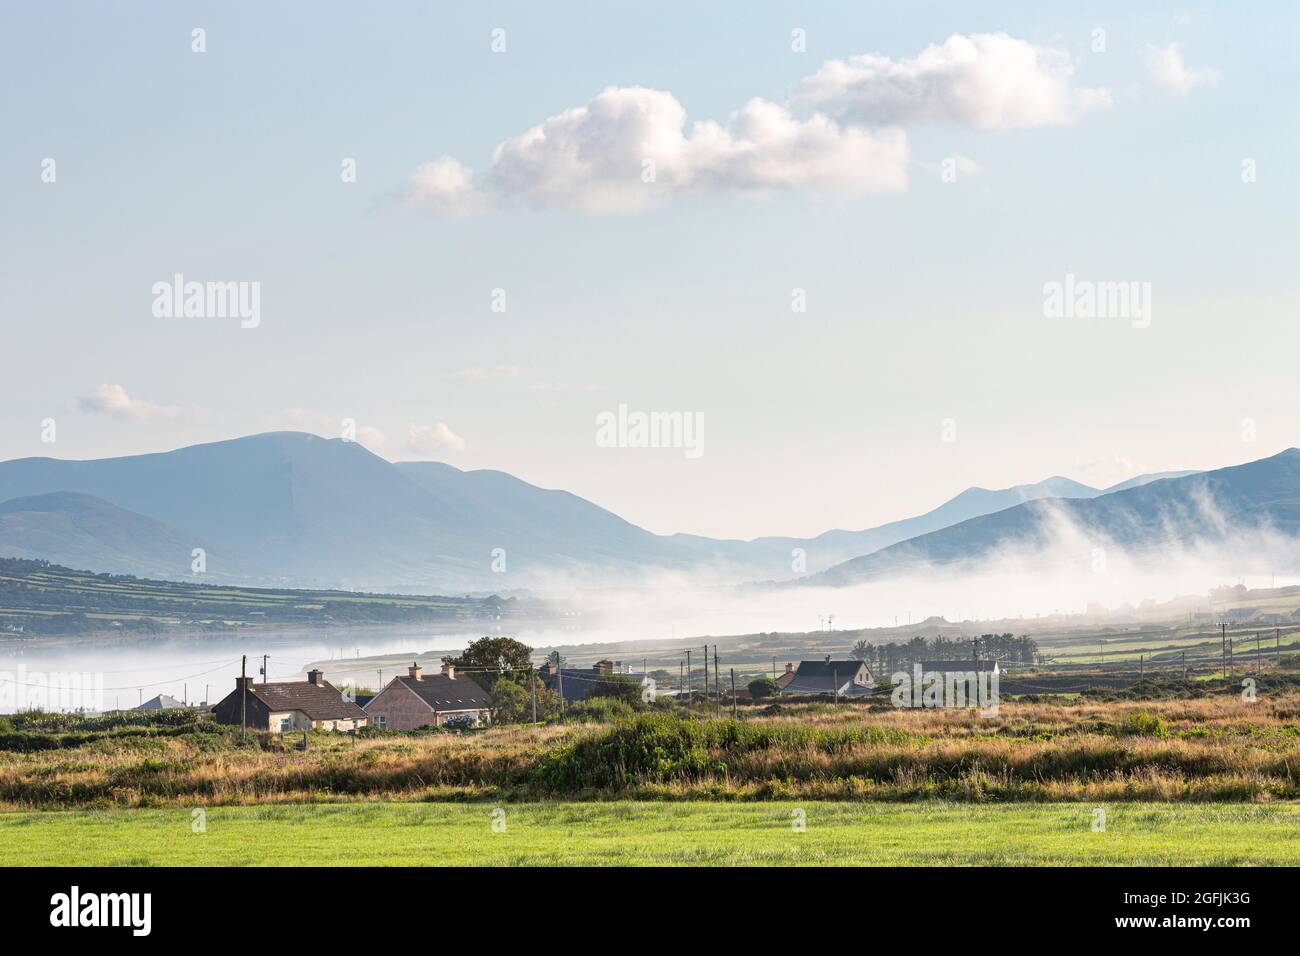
x: 381, y: 722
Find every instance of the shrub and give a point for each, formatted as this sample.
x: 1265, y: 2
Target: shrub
x: 1139, y: 723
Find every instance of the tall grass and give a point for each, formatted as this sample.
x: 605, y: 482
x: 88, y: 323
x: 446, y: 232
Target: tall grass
x: 1211, y: 749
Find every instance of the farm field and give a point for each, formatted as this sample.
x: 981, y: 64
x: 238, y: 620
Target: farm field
x: 640, y: 833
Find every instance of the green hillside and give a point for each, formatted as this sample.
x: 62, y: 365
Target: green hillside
x: 38, y: 598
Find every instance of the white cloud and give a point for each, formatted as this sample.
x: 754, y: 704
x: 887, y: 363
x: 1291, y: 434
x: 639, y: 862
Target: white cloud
x: 1167, y: 66
x: 629, y: 146
x: 986, y: 81
x: 112, y: 400
x: 842, y: 133
x: 372, y: 439
x: 444, y: 186
x: 433, y: 438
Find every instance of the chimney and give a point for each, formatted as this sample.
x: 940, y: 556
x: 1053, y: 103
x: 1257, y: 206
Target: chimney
x: 316, y: 677
x: 448, y: 670
x: 414, y: 671
x: 789, y: 667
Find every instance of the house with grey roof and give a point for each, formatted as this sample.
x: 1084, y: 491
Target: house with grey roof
x: 429, y: 700
x: 313, y: 704
x: 161, y: 702
x: 843, y: 678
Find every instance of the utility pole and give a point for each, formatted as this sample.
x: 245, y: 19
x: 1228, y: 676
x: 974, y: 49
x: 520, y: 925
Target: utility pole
x: 1184, y: 665
x: 1257, y: 657
x: 1142, y: 666
x: 717, y: 678
x: 266, y: 677
x: 706, y: 673
x: 688, y: 675
x: 185, y: 694
x: 733, y: 693
x: 243, y: 696
x: 1223, y: 647
x: 532, y: 684
x: 681, y: 683
x: 559, y: 676
x: 773, y: 668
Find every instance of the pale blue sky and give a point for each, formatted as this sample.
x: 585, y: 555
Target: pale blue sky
x: 923, y: 304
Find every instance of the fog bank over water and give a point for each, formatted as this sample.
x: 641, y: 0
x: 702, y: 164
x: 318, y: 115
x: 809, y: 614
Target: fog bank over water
x: 1067, y: 578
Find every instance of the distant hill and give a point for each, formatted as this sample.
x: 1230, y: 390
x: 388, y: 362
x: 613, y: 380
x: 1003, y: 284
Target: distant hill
x: 39, y: 598
x: 292, y: 509
x: 1206, y: 506
x: 84, y: 531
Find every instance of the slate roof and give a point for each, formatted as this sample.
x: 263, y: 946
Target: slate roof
x: 321, y: 701
x: 817, y: 677
x: 448, y: 693
x: 161, y: 702
x: 578, y: 682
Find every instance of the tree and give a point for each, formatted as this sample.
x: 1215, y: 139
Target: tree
x: 512, y: 703
x: 490, y: 659
x: 861, y: 651
x: 619, y: 687
x: 764, y: 687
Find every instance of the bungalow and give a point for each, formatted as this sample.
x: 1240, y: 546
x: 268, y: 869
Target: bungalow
x: 161, y: 702
x: 577, y: 684
x: 418, y: 701
x: 847, y: 678
x: 787, y: 676
x: 315, y: 704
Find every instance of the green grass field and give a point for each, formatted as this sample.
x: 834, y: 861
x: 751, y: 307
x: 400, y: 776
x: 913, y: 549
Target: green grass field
x: 630, y: 834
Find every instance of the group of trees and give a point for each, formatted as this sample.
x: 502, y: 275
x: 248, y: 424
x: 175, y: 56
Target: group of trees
x: 887, y: 658
x: 503, y: 667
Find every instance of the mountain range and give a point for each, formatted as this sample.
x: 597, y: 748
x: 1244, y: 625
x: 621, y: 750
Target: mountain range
x: 289, y: 508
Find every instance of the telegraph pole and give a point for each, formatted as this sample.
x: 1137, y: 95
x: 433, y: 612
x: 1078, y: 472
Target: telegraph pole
x: 1223, y: 642
x: 243, y: 696
x: 706, y: 673
x: 1184, y: 665
x: 266, y: 675
x: 733, y: 693
x: 717, y: 678
x: 688, y: 675
x: 532, y: 684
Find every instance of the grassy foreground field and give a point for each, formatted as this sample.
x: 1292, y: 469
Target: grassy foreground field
x: 631, y: 834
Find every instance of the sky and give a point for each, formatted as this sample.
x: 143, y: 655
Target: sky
x: 825, y: 237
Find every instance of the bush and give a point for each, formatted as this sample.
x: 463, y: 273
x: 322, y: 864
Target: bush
x: 598, y: 710
x: 1142, y: 724
x: 763, y: 687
